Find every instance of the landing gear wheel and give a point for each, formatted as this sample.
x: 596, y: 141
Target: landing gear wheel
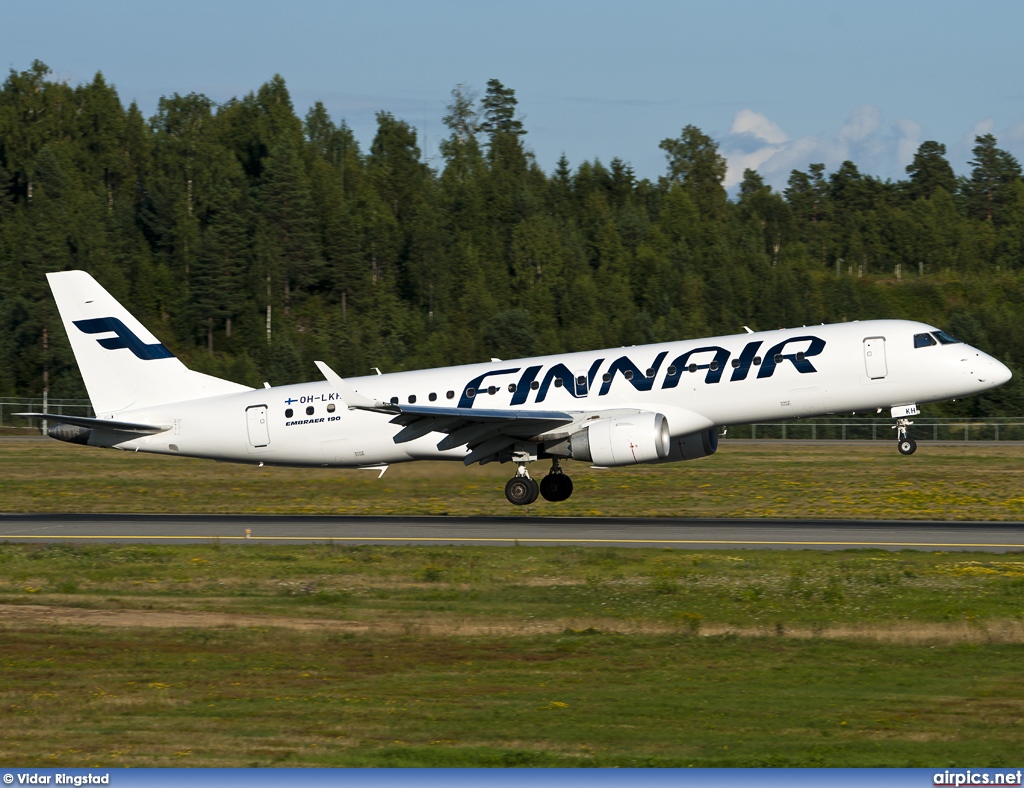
x: 907, y: 446
x: 521, y: 490
x: 556, y: 487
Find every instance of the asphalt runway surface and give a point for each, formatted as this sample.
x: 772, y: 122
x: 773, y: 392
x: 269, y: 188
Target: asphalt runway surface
x: 682, y: 533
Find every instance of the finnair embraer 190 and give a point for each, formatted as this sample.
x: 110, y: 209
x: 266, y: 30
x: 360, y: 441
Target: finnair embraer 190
x: 620, y: 406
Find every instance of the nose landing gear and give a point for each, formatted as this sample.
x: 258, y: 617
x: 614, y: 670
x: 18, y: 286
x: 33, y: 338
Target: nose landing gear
x: 904, y: 442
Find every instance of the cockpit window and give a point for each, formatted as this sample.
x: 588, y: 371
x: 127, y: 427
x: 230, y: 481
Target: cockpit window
x: 945, y: 338
x: 923, y: 340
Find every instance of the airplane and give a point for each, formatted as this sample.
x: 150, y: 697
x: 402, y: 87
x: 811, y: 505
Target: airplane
x: 657, y: 403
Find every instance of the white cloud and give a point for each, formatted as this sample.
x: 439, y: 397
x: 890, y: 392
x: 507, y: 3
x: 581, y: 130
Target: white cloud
x: 862, y: 123
x: 749, y: 122
x: 877, y: 147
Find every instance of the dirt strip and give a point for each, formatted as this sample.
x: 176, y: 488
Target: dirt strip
x: 35, y: 616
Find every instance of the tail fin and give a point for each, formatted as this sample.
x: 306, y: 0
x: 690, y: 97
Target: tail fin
x: 123, y: 365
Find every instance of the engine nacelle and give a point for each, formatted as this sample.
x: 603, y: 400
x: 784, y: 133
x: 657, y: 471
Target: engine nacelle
x: 622, y: 440
x: 694, y: 446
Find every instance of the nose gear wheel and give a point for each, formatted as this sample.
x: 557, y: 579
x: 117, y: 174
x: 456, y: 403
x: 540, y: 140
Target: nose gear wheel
x: 904, y: 442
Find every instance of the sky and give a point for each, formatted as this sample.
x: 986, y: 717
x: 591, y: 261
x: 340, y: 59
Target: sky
x: 779, y: 84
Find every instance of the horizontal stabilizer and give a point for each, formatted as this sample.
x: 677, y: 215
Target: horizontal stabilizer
x: 98, y: 424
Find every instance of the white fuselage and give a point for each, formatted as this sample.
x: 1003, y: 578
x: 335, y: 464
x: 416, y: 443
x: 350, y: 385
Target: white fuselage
x: 696, y: 385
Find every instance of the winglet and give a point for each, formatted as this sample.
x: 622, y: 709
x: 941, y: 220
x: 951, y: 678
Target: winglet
x: 351, y: 397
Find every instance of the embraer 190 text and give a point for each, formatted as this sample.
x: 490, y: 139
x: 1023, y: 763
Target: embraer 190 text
x: 620, y: 406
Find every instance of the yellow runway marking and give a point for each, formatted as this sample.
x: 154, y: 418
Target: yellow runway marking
x: 509, y: 539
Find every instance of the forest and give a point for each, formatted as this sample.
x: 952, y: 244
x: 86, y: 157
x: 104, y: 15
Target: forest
x: 251, y: 240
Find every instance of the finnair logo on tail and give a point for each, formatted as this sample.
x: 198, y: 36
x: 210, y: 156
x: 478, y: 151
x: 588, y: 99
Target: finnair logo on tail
x: 124, y: 339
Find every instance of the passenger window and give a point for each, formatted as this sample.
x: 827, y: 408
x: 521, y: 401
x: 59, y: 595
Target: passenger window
x: 650, y: 372
x: 471, y: 392
x: 412, y: 399
x: 800, y: 356
x: 713, y: 366
x: 671, y: 372
x: 450, y: 395
x: 558, y: 383
x: 394, y: 400
x: 945, y: 338
x: 512, y: 388
x: 735, y: 363
x: 628, y: 374
x: 289, y: 413
x: 432, y: 396
x: 535, y: 385
x: 331, y: 408
x: 581, y: 381
x: 606, y: 377
x: 923, y: 340
x: 309, y: 410
x: 492, y: 390
x: 757, y: 361
x: 692, y: 367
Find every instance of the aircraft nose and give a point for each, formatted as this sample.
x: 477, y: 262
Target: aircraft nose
x: 990, y: 371
x: 1000, y: 373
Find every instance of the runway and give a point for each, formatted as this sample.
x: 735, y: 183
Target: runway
x: 680, y: 533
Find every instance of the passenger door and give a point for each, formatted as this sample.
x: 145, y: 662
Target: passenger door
x: 256, y: 421
x: 874, y: 358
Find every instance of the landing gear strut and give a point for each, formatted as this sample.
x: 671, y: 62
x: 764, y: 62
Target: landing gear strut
x: 904, y: 442
x: 521, y: 490
x: 556, y: 486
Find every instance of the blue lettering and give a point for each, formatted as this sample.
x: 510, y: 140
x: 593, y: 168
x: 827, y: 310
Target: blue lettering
x: 640, y: 380
x: 799, y: 359
x: 465, y: 401
x: 561, y: 372
x: 523, y: 386
x: 715, y: 368
x: 746, y: 359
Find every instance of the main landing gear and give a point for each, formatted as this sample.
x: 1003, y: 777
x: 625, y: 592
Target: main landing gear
x: 904, y: 442
x: 556, y: 486
x: 521, y: 490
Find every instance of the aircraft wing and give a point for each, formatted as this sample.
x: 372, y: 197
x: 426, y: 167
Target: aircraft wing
x: 486, y: 432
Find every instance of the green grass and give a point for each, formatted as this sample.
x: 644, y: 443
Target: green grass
x: 326, y: 654
x: 241, y: 655
x: 420, y: 586
x: 973, y: 481
x: 80, y: 697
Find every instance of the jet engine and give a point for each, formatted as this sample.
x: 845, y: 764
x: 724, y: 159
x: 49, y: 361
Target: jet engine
x: 620, y: 440
x: 694, y: 446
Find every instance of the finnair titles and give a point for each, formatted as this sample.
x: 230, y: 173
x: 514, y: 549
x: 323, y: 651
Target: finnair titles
x: 645, y: 404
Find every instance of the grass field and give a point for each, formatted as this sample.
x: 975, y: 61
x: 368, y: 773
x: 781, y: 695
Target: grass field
x: 970, y: 481
x: 331, y: 655
x: 255, y: 654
